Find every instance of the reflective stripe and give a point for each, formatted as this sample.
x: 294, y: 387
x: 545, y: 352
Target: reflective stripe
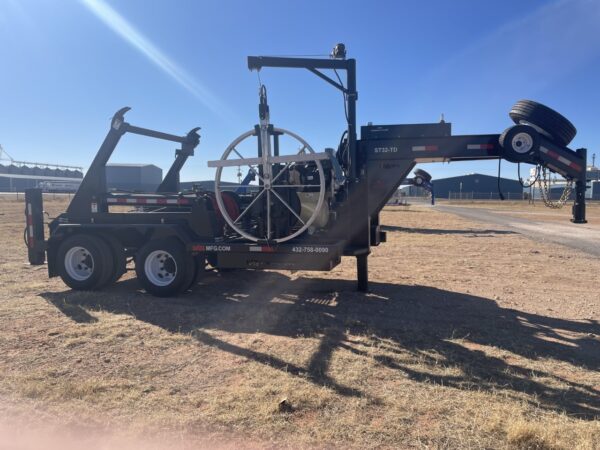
x: 30, y: 237
x: 424, y: 148
x: 262, y: 249
x: 149, y: 201
x: 480, y: 146
x: 561, y: 159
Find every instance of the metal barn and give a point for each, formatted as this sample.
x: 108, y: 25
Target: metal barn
x: 476, y: 186
x: 133, y: 177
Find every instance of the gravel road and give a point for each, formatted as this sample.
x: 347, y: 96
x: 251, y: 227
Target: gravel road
x: 584, y: 237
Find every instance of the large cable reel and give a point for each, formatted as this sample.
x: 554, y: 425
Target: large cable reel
x: 270, y: 170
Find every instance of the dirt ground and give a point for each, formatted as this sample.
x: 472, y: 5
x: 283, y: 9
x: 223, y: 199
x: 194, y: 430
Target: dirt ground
x: 472, y: 337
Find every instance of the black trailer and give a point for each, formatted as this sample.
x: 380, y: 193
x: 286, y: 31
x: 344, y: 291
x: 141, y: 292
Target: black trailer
x: 304, y: 211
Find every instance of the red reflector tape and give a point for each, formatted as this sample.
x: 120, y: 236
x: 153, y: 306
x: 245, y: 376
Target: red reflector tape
x: 559, y: 158
x: 149, y: 201
x: 425, y: 148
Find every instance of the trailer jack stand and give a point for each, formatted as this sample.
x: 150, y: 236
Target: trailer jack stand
x: 580, y: 187
x: 362, y: 272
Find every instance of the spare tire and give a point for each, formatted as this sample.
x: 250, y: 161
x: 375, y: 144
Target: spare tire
x: 421, y: 173
x: 552, y: 123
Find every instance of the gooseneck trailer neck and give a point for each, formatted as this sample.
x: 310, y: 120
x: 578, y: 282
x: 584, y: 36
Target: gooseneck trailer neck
x: 298, y: 211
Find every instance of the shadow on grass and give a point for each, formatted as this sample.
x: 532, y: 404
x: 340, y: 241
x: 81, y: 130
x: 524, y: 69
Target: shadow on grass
x: 439, y: 328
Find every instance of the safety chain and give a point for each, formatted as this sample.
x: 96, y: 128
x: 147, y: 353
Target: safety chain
x: 545, y: 191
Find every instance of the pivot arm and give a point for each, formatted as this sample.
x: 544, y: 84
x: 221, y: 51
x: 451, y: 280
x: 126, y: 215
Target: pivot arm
x: 89, y: 196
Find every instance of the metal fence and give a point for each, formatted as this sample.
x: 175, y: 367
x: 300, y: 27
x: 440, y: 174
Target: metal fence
x: 487, y: 196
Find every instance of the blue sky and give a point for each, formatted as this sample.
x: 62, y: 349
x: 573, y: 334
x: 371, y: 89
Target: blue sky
x: 68, y: 65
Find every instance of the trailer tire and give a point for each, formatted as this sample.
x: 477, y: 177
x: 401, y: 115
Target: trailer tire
x: 197, y: 266
x: 561, y: 130
x: 424, y: 175
x: 119, y: 264
x: 162, y: 267
x: 84, y: 262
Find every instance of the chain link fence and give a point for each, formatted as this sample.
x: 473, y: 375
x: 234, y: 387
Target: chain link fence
x: 487, y: 196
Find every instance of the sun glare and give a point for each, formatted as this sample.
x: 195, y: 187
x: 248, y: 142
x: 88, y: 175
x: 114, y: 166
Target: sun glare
x: 127, y: 31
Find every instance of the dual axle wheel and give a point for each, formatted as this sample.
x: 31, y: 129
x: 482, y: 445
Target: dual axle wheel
x: 163, y: 268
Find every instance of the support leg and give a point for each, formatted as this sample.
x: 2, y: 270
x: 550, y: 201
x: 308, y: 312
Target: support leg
x: 579, y: 205
x: 580, y: 186
x: 362, y: 272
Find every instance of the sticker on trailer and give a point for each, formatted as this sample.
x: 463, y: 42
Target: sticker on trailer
x: 385, y: 150
x: 309, y: 249
x: 217, y: 248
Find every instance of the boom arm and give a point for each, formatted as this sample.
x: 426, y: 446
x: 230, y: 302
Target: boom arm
x: 93, y: 186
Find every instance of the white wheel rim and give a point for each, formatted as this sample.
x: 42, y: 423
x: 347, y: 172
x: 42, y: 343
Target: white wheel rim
x: 522, y: 142
x: 160, y: 268
x: 79, y: 263
x: 223, y: 209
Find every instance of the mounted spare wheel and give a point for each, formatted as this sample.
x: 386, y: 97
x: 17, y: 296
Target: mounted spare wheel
x: 520, y: 143
x: 163, y: 267
x: 423, y: 174
x: 547, y: 121
x: 84, y: 262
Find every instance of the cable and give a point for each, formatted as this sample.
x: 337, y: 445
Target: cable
x: 344, y: 95
x: 341, y: 153
x: 499, y: 188
x: 537, y: 175
x: 259, y: 80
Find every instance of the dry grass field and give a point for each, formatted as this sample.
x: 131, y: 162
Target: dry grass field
x: 471, y: 337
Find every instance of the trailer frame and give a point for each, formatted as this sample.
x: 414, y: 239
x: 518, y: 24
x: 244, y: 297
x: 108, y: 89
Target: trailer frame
x: 374, y: 165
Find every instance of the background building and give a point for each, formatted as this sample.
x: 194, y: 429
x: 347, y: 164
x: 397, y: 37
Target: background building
x: 413, y: 191
x: 593, y: 176
x: 133, y: 177
x: 476, y: 186
x: 557, y: 185
x: 17, y: 177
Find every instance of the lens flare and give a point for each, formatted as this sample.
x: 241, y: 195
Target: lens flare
x: 136, y: 39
